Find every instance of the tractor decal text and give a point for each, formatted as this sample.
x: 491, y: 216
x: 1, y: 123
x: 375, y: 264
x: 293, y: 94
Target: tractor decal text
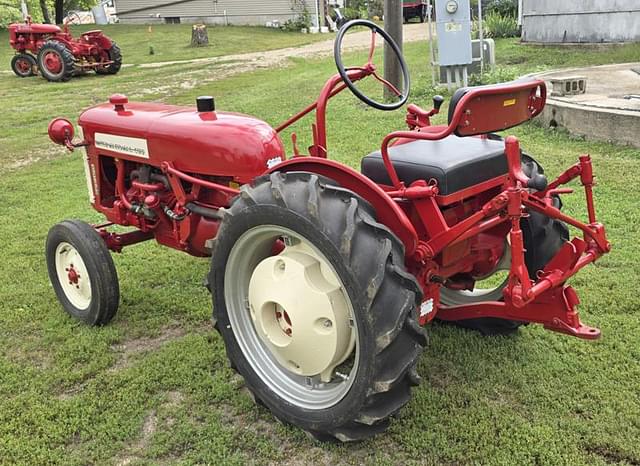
x: 122, y: 144
x: 274, y: 161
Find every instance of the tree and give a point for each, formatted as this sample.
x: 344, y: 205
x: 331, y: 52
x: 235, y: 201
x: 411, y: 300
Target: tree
x: 63, y: 7
x: 45, y: 11
x: 59, y: 9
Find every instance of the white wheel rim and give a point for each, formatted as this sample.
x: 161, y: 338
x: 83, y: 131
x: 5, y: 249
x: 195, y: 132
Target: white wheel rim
x: 299, y: 366
x: 73, y: 276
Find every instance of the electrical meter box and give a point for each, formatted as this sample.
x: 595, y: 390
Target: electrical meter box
x: 453, y: 28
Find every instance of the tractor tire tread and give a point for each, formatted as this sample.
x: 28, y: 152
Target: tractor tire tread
x: 398, y: 339
x: 27, y: 57
x: 96, y: 256
x: 115, y: 54
x: 68, y: 61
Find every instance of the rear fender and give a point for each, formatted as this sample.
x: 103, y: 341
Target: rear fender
x: 99, y: 39
x: 387, y: 211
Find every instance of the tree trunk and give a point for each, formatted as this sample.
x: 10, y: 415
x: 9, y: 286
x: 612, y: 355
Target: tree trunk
x: 199, y: 35
x: 59, y: 11
x: 45, y: 11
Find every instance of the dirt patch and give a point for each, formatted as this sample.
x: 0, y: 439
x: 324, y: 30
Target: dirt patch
x: 31, y: 158
x: 312, y: 453
x: 266, y: 59
x: 135, y: 451
x: 129, y: 349
x: 612, y: 455
x: 149, y: 428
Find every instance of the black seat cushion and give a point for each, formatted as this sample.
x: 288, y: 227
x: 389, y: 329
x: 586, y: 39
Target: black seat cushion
x: 455, y: 163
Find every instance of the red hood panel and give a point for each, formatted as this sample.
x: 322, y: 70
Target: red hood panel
x: 211, y: 143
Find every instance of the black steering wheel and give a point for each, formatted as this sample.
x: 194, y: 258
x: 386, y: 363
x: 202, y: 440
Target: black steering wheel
x: 369, y: 68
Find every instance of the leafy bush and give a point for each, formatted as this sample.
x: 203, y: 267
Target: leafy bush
x: 301, y: 21
x: 498, y: 74
x: 501, y: 7
x: 352, y: 13
x: 496, y: 25
x: 376, y: 8
x: 9, y: 15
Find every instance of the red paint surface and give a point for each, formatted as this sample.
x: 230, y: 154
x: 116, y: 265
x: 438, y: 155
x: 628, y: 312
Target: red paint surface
x: 201, y: 158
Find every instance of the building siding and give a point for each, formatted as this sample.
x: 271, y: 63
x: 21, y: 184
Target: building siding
x: 582, y: 21
x: 231, y: 11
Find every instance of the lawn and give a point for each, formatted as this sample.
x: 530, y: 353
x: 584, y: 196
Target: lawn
x: 154, y: 386
x: 172, y: 41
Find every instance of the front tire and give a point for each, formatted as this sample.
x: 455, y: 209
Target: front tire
x: 82, y: 272
x: 287, y: 247
x: 23, y: 65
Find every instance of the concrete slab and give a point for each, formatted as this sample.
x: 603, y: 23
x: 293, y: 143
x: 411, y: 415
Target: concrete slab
x: 609, y: 109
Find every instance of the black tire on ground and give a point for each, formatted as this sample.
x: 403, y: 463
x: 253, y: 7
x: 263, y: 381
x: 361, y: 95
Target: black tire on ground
x: 369, y: 260
x: 115, y: 55
x: 23, y: 65
x: 543, y: 237
x: 75, y: 241
x: 67, y: 61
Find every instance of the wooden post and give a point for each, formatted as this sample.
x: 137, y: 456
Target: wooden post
x: 199, y: 35
x: 393, y: 25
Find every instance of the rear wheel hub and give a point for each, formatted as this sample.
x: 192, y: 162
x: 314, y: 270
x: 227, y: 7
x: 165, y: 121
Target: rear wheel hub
x: 23, y: 65
x: 73, y: 275
x: 300, y: 312
x: 52, y: 62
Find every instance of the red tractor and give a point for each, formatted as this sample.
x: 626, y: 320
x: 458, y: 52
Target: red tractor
x: 57, y: 55
x: 322, y: 276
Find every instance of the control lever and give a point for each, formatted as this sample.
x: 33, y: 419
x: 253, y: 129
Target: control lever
x: 438, y: 100
x: 419, y: 118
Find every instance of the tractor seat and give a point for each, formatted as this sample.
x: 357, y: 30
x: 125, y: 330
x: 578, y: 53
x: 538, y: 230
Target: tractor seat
x: 455, y: 163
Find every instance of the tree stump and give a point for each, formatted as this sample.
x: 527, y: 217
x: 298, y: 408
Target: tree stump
x: 199, y: 35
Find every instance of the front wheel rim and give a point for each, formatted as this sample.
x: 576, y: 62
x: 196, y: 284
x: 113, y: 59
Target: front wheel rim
x: 23, y: 65
x: 73, y: 276
x: 251, y: 300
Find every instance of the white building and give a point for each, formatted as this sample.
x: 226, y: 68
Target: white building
x: 580, y: 21
x: 257, y: 12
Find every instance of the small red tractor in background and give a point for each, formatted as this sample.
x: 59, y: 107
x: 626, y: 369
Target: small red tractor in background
x: 323, y: 276
x: 57, y: 55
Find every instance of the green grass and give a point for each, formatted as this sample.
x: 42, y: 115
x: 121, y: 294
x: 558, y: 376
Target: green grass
x: 172, y: 41
x: 154, y: 386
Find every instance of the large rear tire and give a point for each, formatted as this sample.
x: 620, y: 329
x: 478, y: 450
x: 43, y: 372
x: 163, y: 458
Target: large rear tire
x: 115, y: 55
x: 55, y: 61
x: 543, y: 237
x: 287, y: 243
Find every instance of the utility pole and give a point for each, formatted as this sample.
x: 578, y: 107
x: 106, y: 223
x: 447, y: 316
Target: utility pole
x: 393, y: 26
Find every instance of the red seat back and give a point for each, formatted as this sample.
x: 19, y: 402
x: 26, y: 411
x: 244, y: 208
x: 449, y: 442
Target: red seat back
x: 486, y: 109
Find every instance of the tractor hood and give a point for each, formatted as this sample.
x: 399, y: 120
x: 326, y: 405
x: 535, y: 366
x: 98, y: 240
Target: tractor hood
x: 206, y: 142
